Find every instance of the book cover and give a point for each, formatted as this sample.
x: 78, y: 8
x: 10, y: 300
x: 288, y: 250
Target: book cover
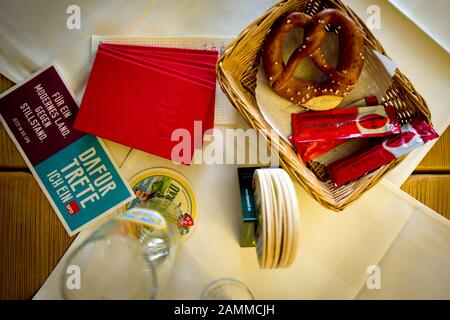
x: 74, y: 169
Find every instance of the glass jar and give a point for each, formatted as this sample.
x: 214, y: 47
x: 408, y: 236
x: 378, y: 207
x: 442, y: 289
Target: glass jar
x: 128, y: 257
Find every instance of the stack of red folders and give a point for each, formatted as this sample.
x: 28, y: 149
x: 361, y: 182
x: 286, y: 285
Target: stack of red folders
x: 151, y: 98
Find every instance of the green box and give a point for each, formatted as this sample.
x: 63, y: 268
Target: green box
x: 249, y: 218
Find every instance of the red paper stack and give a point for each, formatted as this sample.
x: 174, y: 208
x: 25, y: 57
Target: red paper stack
x: 139, y: 96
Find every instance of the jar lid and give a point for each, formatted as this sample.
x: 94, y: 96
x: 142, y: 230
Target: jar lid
x: 170, y: 185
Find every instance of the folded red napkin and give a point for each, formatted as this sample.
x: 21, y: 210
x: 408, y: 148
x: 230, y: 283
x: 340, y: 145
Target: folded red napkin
x: 201, y: 74
x: 191, y: 56
x: 139, y: 96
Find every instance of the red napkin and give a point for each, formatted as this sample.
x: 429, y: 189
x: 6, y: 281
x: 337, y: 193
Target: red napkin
x: 201, y: 74
x: 204, y: 57
x: 138, y: 96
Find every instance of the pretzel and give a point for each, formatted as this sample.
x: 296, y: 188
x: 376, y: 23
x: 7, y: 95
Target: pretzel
x: 316, y: 96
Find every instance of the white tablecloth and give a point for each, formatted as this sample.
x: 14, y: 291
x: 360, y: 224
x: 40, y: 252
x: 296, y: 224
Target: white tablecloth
x: 408, y: 241
x: 34, y: 33
x: 431, y: 16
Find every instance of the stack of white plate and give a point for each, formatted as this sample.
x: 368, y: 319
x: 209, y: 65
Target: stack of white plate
x: 278, y: 218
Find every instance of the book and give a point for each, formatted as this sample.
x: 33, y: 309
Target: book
x: 74, y: 169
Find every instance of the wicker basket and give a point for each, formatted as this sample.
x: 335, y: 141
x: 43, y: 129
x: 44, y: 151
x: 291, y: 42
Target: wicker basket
x: 236, y: 72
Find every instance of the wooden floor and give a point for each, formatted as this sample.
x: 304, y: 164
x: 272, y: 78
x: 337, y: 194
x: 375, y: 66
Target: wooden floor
x: 430, y: 182
x: 32, y: 240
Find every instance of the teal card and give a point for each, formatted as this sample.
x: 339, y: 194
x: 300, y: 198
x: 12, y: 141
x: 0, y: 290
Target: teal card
x: 82, y: 181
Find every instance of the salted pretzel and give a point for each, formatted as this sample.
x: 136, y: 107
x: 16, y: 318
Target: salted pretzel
x: 314, y: 95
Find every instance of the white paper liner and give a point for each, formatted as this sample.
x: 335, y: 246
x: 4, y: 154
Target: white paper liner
x: 374, y: 80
